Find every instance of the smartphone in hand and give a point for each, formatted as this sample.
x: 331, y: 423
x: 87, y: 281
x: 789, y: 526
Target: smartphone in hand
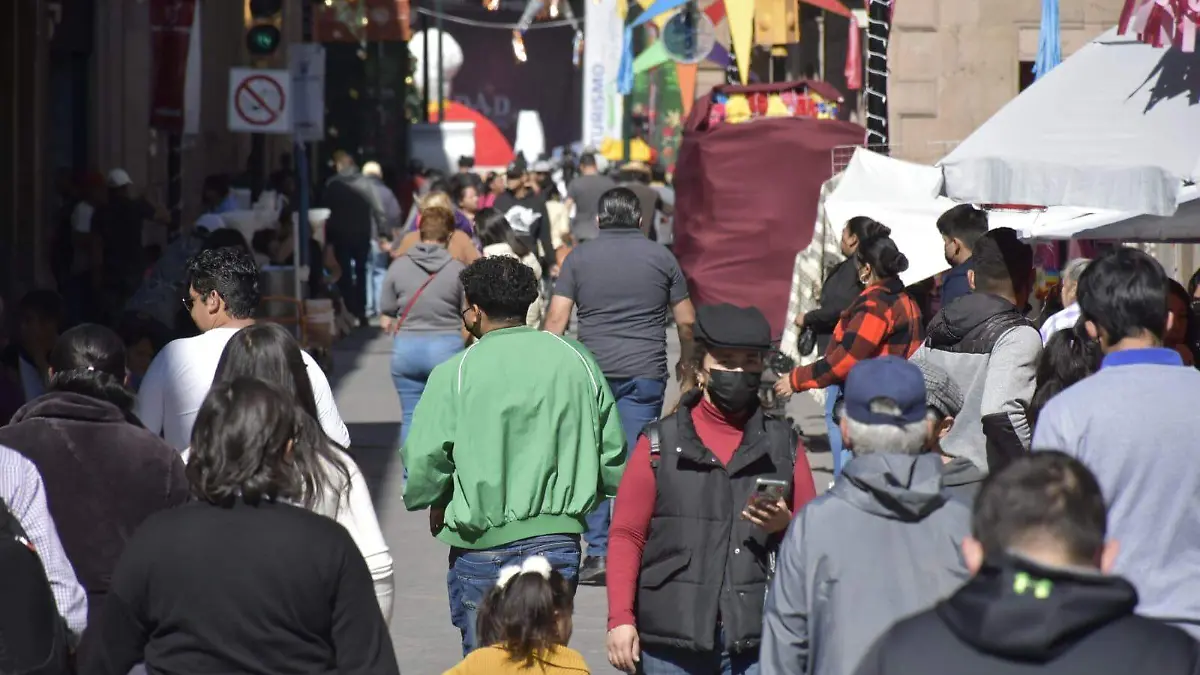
x: 768, y: 491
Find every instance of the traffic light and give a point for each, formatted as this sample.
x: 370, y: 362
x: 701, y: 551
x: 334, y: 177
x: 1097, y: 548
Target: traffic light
x: 263, y: 21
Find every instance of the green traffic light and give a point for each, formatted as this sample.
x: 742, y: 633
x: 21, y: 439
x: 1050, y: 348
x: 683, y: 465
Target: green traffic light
x: 263, y: 40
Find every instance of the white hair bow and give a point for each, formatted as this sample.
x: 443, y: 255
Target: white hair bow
x: 533, y: 565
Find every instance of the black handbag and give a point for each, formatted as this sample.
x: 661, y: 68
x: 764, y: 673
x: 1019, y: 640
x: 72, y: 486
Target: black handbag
x: 807, y: 341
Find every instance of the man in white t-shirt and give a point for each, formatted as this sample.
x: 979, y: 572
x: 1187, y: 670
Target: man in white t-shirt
x: 222, y: 298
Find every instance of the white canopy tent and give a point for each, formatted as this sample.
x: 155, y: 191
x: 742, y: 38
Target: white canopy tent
x: 1111, y: 128
x: 904, y: 196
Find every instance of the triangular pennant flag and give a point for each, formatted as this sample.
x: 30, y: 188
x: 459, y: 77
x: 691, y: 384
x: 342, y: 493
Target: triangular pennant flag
x: 655, y: 55
x: 740, y: 15
x: 715, y: 11
x: 685, y: 76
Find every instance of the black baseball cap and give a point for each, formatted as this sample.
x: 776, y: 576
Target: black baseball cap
x: 731, y: 327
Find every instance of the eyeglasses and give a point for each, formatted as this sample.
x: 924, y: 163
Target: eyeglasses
x: 188, y: 302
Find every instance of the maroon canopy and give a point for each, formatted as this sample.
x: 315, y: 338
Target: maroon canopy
x: 746, y: 202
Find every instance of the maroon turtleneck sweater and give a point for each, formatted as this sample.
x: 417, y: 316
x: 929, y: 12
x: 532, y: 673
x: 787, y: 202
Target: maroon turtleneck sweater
x: 635, y: 504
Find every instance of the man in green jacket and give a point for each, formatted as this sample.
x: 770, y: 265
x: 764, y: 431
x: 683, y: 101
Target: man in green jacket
x: 513, y: 443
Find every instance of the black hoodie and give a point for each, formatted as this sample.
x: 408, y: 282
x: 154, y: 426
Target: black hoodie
x: 1017, y: 617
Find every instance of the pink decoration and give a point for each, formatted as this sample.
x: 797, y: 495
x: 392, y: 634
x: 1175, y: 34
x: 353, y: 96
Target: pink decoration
x: 1162, y: 22
x: 853, y: 57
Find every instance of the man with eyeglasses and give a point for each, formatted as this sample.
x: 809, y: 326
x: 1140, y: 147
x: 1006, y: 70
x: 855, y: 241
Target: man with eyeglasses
x: 222, y: 298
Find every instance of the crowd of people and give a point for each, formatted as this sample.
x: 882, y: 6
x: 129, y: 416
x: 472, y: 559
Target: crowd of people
x: 194, y: 505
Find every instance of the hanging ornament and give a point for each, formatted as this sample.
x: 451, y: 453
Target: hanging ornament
x: 518, y: 44
x: 1162, y: 22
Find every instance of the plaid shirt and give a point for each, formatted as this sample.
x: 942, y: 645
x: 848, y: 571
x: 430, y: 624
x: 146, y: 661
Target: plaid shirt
x: 882, y: 321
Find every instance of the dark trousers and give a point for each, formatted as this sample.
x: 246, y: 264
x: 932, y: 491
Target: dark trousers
x: 353, y: 282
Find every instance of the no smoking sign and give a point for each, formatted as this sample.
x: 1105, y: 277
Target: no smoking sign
x: 259, y: 101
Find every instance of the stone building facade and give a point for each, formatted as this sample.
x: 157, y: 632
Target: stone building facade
x: 954, y: 63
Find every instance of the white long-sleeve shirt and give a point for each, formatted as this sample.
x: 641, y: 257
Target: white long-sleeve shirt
x: 181, y: 375
x: 351, y: 506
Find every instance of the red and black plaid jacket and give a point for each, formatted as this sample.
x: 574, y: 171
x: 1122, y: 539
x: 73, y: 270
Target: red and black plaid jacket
x: 883, y: 320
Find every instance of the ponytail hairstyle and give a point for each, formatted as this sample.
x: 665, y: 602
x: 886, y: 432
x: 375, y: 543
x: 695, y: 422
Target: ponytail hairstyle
x: 89, y: 360
x: 527, y: 612
x: 1069, y: 356
x: 882, y: 254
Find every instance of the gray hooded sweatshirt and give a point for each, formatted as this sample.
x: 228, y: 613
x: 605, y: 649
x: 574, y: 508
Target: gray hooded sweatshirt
x: 882, y: 544
x: 437, y: 308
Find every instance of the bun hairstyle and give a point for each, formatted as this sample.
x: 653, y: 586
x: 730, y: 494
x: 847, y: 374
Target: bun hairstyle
x: 524, y: 612
x: 864, y: 228
x: 89, y: 360
x: 882, y: 254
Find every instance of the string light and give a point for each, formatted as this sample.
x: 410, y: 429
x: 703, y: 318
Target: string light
x: 518, y: 44
x: 554, y: 9
x: 491, y: 5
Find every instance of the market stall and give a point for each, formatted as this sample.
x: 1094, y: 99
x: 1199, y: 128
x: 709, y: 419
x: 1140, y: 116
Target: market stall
x: 747, y: 190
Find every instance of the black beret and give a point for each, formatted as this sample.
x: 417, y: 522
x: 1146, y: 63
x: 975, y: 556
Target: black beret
x: 732, y: 327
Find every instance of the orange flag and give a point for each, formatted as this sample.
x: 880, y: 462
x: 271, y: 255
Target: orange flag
x: 685, y: 75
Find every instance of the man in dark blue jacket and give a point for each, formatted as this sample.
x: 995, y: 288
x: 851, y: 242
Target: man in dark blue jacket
x: 960, y: 227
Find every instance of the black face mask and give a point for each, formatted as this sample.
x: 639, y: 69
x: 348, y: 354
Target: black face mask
x: 734, y: 391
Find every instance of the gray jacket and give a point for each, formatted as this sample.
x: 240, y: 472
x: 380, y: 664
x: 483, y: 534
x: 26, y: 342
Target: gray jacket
x: 991, y: 351
x: 437, y: 309
x: 882, y: 544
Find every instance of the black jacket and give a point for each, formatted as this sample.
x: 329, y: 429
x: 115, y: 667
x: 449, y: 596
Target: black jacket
x: 529, y: 220
x: 104, y: 474
x: 355, y: 213
x: 255, y: 590
x: 1017, y: 617
x: 702, y: 560
x: 840, y: 289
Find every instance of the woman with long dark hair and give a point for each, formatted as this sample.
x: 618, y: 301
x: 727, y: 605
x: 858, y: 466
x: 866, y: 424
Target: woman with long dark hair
x: 840, y: 288
x: 882, y: 320
x: 242, y: 580
x: 104, y: 473
x: 498, y: 238
x: 332, y: 484
x: 1069, y: 356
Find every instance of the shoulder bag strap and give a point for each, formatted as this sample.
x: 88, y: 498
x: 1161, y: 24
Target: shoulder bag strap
x: 408, y: 307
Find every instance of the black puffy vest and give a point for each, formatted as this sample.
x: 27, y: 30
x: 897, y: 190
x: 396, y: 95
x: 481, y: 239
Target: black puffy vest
x: 702, y: 561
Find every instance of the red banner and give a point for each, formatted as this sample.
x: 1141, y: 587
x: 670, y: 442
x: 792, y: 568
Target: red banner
x: 170, y: 34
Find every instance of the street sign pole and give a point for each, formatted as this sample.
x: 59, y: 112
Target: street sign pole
x: 303, y: 229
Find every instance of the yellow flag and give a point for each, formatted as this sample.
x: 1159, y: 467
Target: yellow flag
x: 740, y: 15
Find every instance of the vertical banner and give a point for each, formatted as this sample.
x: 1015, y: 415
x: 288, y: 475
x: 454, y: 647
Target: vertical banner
x: 171, y: 23
x: 603, y: 40
x: 307, y: 63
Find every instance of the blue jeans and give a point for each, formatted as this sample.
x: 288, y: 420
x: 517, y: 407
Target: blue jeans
x: 639, y: 402
x: 473, y: 573
x: 377, y: 265
x: 840, y: 454
x: 414, y: 356
x: 675, y: 661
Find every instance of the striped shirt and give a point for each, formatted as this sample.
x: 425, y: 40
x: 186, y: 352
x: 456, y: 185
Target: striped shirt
x: 23, y: 493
